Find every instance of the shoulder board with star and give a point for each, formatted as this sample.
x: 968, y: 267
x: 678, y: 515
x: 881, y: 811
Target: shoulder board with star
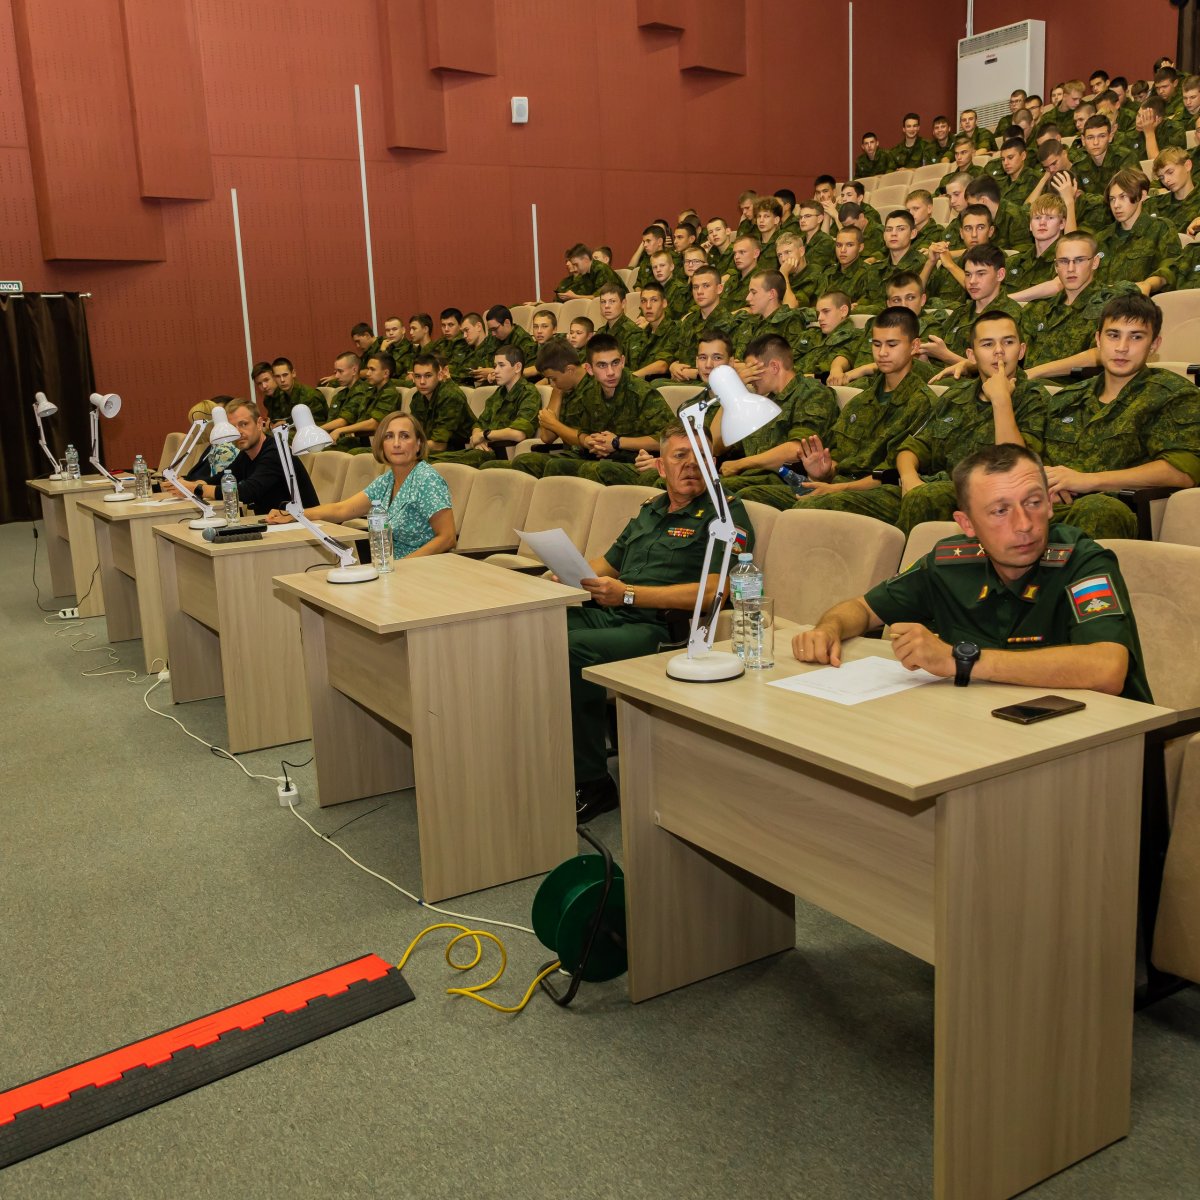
x: 953, y: 553
x: 1058, y: 554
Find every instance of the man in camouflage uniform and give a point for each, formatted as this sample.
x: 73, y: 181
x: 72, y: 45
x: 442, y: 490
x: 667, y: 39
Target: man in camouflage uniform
x: 904, y: 290
x: 1034, y: 264
x: 766, y: 314
x: 1179, y: 205
x: 441, y: 407
x: 659, y: 344
x: 289, y: 392
x: 968, y: 121
x: 1131, y: 426
x: 630, y: 416
x: 854, y: 275
x: 509, y: 415
x: 500, y: 325
x: 351, y: 390
x: 806, y: 409
x: 983, y: 270
x: 963, y: 164
x: 720, y: 245
x: 1002, y: 405
x: 900, y: 256
x: 708, y: 310
x: 1011, y: 221
x: 1101, y: 160
x: 1018, y: 176
x: 450, y: 348
x: 989, y: 605
x: 477, y: 363
x: 866, y: 434
x: 818, y: 245
x: 361, y: 415
x: 651, y: 569
x: 746, y: 251
x: 926, y: 230
x: 588, y: 275
x: 873, y: 160
x: 940, y: 146
x: 804, y: 282
x: 909, y: 153
x: 840, y: 341
x: 1136, y: 246
x: 618, y: 325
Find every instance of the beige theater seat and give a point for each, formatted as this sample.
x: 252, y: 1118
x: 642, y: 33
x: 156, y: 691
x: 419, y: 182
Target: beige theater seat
x: 616, y: 506
x: 924, y: 537
x: 559, y: 502
x: 497, y: 505
x: 460, y: 479
x: 327, y: 471
x: 1181, y: 518
x: 171, y: 444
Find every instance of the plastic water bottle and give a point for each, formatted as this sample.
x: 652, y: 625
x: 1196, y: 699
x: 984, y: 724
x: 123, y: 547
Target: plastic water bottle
x: 746, y: 586
x: 381, y: 537
x: 229, y: 494
x: 142, y: 487
x: 797, y: 482
x: 72, y: 458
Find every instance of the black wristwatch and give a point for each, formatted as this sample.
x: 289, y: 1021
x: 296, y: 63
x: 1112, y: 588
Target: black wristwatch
x: 966, y: 655
x: 617, y: 441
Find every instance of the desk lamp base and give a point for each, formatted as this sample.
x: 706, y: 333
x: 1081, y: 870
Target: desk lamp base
x: 714, y: 667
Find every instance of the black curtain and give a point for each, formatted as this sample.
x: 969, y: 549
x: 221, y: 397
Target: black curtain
x: 43, y: 348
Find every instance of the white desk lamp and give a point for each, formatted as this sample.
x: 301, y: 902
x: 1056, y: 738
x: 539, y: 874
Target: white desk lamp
x: 222, y: 431
x: 742, y: 412
x: 43, y: 408
x: 108, y: 406
x: 309, y: 439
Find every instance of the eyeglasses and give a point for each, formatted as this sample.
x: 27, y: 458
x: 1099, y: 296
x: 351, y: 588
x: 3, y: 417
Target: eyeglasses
x: 1073, y: 262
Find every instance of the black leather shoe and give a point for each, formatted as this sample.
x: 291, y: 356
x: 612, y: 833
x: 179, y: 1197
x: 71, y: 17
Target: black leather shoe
x: 595, y: 797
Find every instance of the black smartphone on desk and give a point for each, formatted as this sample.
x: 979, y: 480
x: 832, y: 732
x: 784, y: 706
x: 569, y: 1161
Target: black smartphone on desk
x: 1040, y: 709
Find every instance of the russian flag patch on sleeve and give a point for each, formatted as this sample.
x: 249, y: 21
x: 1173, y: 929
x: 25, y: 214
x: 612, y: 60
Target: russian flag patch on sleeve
x: 740, y: 538
x: 1094, y: 597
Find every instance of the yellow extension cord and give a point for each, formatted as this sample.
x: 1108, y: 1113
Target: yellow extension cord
x: 474, y: 989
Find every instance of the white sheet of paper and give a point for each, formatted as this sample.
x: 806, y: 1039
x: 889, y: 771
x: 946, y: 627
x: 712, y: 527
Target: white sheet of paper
x: 854, y: 682
x: 293, y: 526
x: 558, y: 552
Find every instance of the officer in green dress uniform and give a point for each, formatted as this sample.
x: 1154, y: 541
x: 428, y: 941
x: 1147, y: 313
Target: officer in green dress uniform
x: 1014, y: 599
x: 644, y: 587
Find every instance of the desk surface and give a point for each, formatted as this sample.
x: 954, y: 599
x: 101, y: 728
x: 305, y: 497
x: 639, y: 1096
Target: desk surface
x: 429, y: 591
x: 59, y: 487
x: 279, y: 535
x: 915, y: 744
x: 132, y: 510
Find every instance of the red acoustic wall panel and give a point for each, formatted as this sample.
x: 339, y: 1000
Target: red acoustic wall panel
x: 460, y: 35
x: 662, y: 14
x: 412, y: 93
x: 715, y: 37
x: 80, y: 133
x: 166, y: 89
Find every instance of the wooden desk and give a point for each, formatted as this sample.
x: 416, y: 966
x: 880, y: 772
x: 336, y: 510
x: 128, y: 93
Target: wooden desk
x: 469, y: 663
x: 228, y: 635
x: 129, y: 569
x: 71, y: 540
x: 1005, y: 855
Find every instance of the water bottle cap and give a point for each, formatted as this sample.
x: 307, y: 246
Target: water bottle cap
x: 745, y: 558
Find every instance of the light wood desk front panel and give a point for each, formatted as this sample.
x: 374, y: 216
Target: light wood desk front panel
x: 58, y: 544
x: 81, y: 539
x: 383, y: 689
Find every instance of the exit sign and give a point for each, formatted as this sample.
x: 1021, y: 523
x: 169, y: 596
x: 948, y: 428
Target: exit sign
x: 10, y: 285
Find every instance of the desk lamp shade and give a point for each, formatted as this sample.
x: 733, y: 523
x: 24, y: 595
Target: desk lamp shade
x: 222, y: 430
x: 307, y: 437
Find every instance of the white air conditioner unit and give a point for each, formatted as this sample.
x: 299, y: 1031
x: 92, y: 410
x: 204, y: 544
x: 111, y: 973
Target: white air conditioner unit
x: 992, y: 65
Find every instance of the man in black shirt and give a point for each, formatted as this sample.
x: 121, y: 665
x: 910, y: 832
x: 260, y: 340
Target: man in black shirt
x: 262, y: 485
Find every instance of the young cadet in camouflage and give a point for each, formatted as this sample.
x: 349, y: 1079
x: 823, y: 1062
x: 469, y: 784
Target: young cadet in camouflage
x: 1156, y: 130
x: 477, y: 363
x: 500, y: 325
x: 1002, y: 405
x: 587, y: 275
x: 708, y: 310
x: 1187, y: 270
x: 818, y: 245
x: 910, y: 152
x: 866, y: 434
x: 940, y: 146
x: 632, y: 416
x: 804, y: 281
x: 395, y: 344
x: 509, y: 415
x: 945, y: 282
x: 618, y: 325
x: 853, y: 192
x: 873, y: 160
x: 350, y: 390
x: 768, y: 216
x: 673, y: 283
x: 653, y: 240
x: 1035, y: 264
x: 652, y: 569
x: 806, y: 409
x: 963, y: 164
x: 766, y: 314
x: 451, y: 348
x: 720, y: 245
x: 746, y: 252
x: 1018, y: 176
x: 659, y: 344
x: 441, y: 407
x: 926, y: 230
x: 576, y: 409
x: 1025, y: 602
x: 840, y: 342
x: 1061, y: 330
x: 1016, y: 102
x: 983, y: 269
x: 363, y: 415
x: 899, y: 255
x: 289, y: 392
x: 1132, y: 426
x: 1011, y: 221
x: 1179, y: 205
x: 854, y: 276
x: 1101, y: 160
x: 678, y: 287
x: 1136, y: 246
x: 854, y: 216
x: 904, y: 290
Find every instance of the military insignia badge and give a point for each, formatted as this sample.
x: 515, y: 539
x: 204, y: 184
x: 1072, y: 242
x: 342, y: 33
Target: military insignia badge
x: 1030, y: 592
x: 948, y: 553
x: 1094, y: 597
x: 680, y: 531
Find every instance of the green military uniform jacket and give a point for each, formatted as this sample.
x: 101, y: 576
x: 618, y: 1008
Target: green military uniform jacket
x: 821, y: 252
x: 644, y: 273
x: 929, y: 324
x: 881, y: 164
x: 962, y: 423
x: 1012, y: 226
x: 372, y: 405
x: 874, y: 247
x: 871, y: 213
x: 721, y: 259
x: 403, y: 352
x: 806, y: 409
x: 871, y: 428
x: 658, y: 344
x: 1073, y: 596
x: 444, y: 415
x: 1179, y: 214
x: 693, y: 324
x: 911, y: 260
x: 478, y: 357
x: 513, y: 408
x: 1027, y: 267
x: 860, y: 281
x: 905, y: 157
x: 933, y: 232
x: 300, y: 394
x: 597, y: 276
x: 788, y: 323
x: 1150, y: 247
x: 678, y: 291
x: 347, y: 400
x: 659, y: 547
x: 1156, y: 416
x: 629, y: 337
x: 984, y: 141
x: 808, y: 285
x: 1187, y: 270
x: 936, y: 152
x: 520, y: 337
x: 974, y: 171
x: 734, y: 296
x: 1016, y: 189
x: 845, y: 341
x: 1091, y: 213
x: 956, y: 330
x: 451, y: 351
x: 635, y: 410
x: 1169, y: 133
x: 768, y: 259
x: 1055, y: 329
x: 1094, y: 177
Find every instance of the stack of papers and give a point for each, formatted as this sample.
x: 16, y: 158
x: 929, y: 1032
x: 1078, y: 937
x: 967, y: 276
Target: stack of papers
x: 854, y: 682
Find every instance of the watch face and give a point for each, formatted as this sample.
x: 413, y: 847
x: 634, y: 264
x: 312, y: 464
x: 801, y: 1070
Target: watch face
x: 966, y: 651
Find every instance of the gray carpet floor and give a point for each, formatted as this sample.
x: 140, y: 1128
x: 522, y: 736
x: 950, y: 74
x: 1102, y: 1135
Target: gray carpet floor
x: 145, y: 881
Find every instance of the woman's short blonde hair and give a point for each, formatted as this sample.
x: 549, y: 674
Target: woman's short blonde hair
x: 382, y: 428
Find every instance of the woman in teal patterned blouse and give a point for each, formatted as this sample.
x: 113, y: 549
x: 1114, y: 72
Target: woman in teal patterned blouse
x: 415, y: 496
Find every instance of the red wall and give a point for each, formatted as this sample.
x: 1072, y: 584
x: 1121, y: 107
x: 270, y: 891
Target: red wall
x: 618, y: 135
x: 1083, y: 36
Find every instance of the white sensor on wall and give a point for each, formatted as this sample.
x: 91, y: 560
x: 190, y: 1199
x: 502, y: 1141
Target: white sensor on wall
x: 520, y: 110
